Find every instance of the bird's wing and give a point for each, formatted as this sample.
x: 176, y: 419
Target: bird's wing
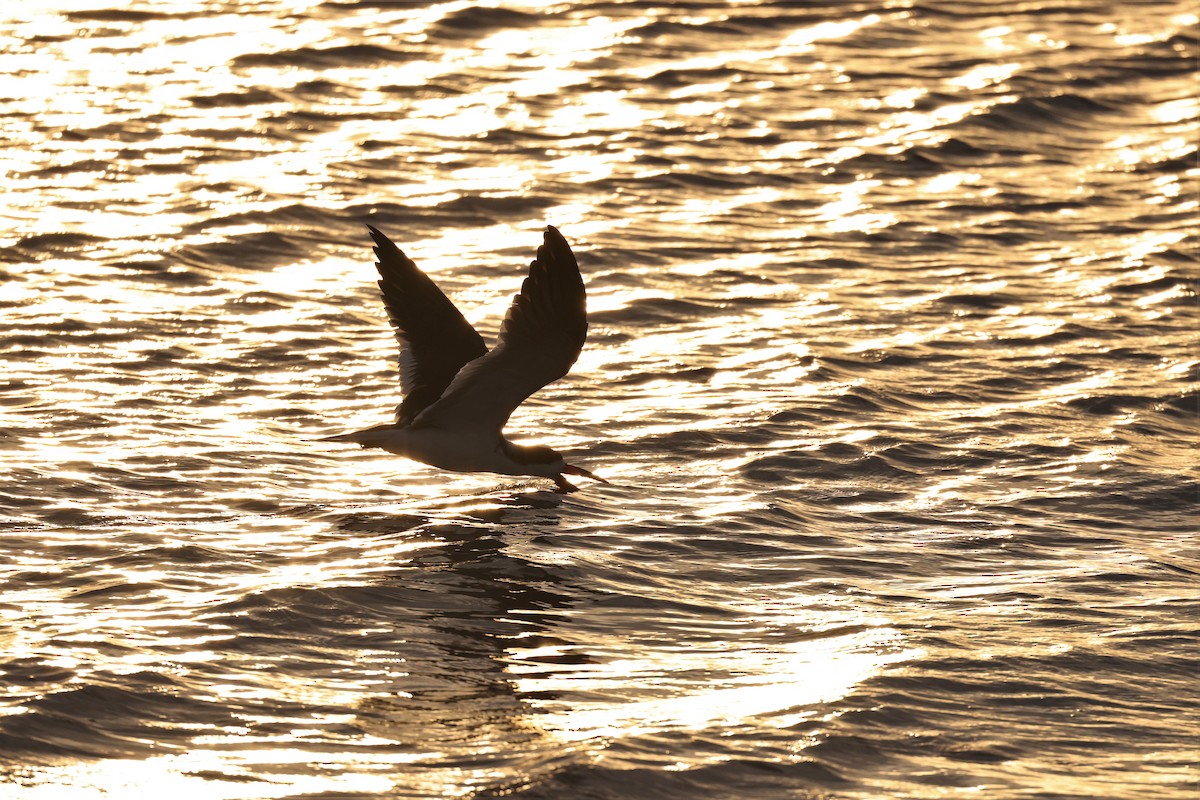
x: 540, y: 339
x: 435, y: 340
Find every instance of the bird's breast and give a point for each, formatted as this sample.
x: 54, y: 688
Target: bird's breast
x: 455, y: 450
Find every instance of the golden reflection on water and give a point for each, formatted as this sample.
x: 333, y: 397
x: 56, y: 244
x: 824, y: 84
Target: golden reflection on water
x: 213, y: 775
x: 760, y: 355
x: 778, y: 686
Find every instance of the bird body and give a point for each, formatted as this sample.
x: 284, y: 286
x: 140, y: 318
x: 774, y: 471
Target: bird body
x: 456, y: 450
x: 458, y: 395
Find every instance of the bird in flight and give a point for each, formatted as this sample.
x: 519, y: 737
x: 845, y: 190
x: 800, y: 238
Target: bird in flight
x: 458, y: 395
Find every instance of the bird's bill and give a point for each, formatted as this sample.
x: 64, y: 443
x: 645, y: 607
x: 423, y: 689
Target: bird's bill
x: 571, y: 469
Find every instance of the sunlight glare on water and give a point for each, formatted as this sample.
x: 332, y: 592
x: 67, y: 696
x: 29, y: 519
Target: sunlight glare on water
x: 891, y: 364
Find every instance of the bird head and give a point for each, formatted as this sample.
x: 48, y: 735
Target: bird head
x: 547, y: 462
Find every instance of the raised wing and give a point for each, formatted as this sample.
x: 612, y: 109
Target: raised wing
x: 540, y: 339
x: 435, y: 340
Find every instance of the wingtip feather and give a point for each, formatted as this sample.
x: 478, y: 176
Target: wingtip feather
x: 377, y: 235
x: 555, y: 246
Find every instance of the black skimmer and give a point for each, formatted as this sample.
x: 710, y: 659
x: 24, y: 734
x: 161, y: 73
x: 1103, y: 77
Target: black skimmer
x: 458, y: 395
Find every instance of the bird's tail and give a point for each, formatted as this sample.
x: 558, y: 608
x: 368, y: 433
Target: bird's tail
x: 354, y: 437
x: 341, y: 437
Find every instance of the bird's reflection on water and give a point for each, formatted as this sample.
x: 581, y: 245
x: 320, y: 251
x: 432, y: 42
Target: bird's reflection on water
x: 458, y: 606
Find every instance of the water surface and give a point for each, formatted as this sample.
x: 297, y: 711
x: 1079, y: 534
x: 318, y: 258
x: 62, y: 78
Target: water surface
x: 892, y: 364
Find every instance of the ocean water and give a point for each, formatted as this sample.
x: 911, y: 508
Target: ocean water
x: 893, y: 366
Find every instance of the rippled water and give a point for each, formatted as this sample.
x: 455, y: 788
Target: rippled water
x: 893, y: 364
